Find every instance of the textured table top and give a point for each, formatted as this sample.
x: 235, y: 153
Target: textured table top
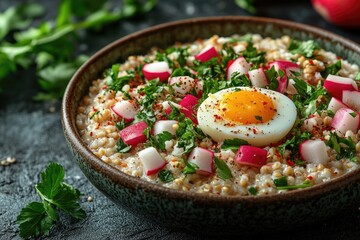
x: 32, y: 133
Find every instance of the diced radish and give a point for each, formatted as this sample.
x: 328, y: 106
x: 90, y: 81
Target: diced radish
x: 125, y: 109
x: 251, y: 156
x: 287, y: 66
x: 335, y: 104
x: 345, y: 119
x: 258, y: 78
x: 133, y: 134
x: 188, y: 103
x: 204, y: 159
x: 207, y: 53
x: 352, y: 99
x: 335, y: 85
x: 165, y: 125
x: 239, y: 65
x: 151, y: 160
x: 314, y: 151
x: 182, y: 85
x: 155, y: 70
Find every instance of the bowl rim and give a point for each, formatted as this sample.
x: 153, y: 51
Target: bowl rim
x: 119, y: 177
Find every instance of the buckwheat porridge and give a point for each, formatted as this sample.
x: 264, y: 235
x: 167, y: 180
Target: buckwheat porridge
x: 239, y: 115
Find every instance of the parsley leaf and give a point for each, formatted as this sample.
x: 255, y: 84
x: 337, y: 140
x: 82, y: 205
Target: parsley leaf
x: 166, y: 176
x: 233, y: 144
x: 253, y: 191
x: 331, y: 69
x: 272, y: 76
x: 222, y: 169
x: 252, y: 55
x: 344, y: 147
x: 121, y: 147
x: 37, y: 218
x: 247, y: 5
x: 280, y: 182
x: 305, y: 48
x: 161, y: 138
x: 305, y: 184
x: 189, y: 168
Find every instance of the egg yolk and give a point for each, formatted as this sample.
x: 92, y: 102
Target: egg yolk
x: 247, y: 107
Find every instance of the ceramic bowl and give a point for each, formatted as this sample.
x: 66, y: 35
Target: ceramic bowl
x: 219, y: 215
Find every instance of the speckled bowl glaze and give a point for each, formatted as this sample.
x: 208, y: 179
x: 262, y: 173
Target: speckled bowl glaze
x: 219, y: 215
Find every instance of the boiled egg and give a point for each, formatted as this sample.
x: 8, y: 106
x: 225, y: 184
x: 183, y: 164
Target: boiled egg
x: 257, y: 115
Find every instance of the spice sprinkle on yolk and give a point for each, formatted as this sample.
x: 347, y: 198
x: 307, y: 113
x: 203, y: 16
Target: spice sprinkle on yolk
x: 247, y: 107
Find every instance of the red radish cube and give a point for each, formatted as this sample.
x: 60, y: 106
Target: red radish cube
x: 345, y: 119
x: 239, y: 65
x: 287, y: 66
x: 133, y: 134
x: 335, y: 104
x: 151, y: 160
x: 258, y: 77
x: 165, y: 125
x: 335, y: 85
x: 204, y: 159
x: 155, y: 70
x: 182, y: 85
x: 352, y: 99
x: 314, y: 151
x: 207, y: 53
x: 125, y: 109
x: 251, y: 156
x: 188, y: 103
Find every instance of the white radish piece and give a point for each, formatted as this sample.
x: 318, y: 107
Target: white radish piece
x: 155, y: 70
x: 310, y: 124
x: 290, y: 88
x: 125, y: 109
x: 335, y: 104
x: 352, y: 99
x: 151, y: 160
x: 345, y: 119
x: 251, y: 156
x: 258, y: 78
x: 165, y: 125
x: 239, y: 65
x: 133, y: 134
x: 204, y: 159
x: 207, y: 53
x: 335, y: 85
x: 182, y: 85
x: 314, y: 151
x: 287, y: 66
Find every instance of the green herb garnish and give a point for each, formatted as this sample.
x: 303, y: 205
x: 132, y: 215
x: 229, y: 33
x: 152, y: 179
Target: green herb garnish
x: 357, y: 78
x: 280, y: 182
x: 331, y: 69
x: 305, y: 184
x: 37, y: 218
x: 165, y: 176
x: 259, y: 118
x: 253, y: 191
x: 222, y: 169
x: 247, y: 5
x: 189, y: 168
x: 233, y: 144
x: 305, y: 48
x: 121, y: 147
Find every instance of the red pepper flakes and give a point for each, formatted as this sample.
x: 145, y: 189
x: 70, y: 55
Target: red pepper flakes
x: 254, y: 130
x: 290, y: 162
x: 91, y: 134
x: 310, y: 178
x: 311, y: 62
x: 217, y: 117
x: 104, y: 87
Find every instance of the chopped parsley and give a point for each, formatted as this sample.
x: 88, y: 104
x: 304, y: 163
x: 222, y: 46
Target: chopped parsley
x: 272, y: 76
x: 165, y: 176
x: 189, y: 168
x: 121, y: 147
x: 305, y: 184
x: 94, y: 114
x: 305, y: 48
x: 253, y: 191
x: 233, y: 144
x: 280, y: 182
x: 331, y: 69
x: 294, y: 142
x: 357, y: 78
x: 252, y: 55
x: 222, y: 169
x: 259, y: 118
x: 344, y: 147
x: 115, y: 82
x: 37, y: 218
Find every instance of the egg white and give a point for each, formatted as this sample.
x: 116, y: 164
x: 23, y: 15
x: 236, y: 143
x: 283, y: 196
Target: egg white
x: 257, y: 134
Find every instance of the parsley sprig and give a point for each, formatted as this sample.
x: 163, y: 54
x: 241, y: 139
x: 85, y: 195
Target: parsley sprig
x: 37, y: 218
x: 305, y: 48
x: 52, y: 44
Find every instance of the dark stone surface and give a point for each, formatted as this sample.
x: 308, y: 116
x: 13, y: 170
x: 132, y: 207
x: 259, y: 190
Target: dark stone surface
x: 33, y: 135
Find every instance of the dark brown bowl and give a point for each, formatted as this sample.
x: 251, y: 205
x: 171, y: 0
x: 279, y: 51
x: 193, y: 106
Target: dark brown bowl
x: 220, y: 215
